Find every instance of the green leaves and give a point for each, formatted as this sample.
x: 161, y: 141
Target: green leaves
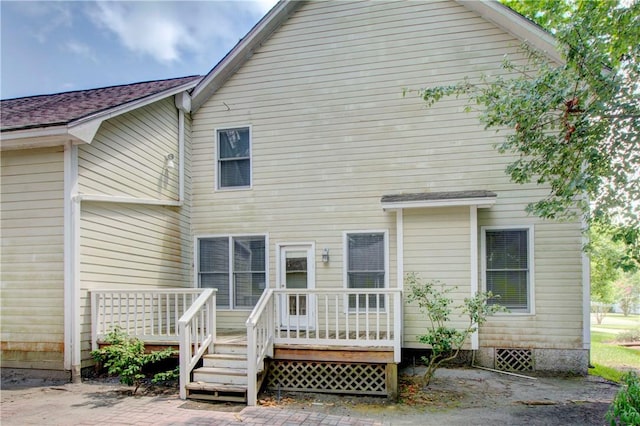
x: 432, y: 297
x: 625, y: 409
x: 571, y: 127
x: 125, y: 356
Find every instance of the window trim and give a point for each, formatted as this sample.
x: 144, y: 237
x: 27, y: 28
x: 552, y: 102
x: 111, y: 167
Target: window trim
x: 230, y: 237
x: 217, y: 158
x: 530, y: 261
x: 345, y: 254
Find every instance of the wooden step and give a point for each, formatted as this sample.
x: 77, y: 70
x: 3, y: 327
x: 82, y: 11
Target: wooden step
x: 226, y: 376
x: 216, y: 392
x: 230, y: 348
x: 225, y: 360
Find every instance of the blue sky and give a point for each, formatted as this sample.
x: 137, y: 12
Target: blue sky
x: 59, y: 46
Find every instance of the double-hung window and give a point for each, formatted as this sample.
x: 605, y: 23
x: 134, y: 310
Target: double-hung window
x: 366, y: 266
x: 236, y: 266
x: 234, y: 157
x: 508, y: 255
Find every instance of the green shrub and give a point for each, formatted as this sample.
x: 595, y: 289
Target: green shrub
x: 625, y: 409
x: 629, y: 336
x: 124, y: 356
x: 446, y: 341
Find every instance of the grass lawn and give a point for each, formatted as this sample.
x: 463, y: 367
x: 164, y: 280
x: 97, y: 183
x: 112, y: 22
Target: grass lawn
x: 610, y: 360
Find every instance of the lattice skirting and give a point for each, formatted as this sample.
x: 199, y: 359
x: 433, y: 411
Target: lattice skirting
x: 514, y: 360
x: 306, y: 376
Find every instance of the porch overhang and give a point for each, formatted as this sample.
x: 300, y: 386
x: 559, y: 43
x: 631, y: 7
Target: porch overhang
x: 482, y: 199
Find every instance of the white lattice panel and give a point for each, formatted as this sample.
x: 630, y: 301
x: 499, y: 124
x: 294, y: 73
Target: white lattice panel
x: 368, y: 379
x: 514, y: 360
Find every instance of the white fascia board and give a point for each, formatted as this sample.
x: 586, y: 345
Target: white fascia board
x: 42, y: 137
x: 82, y: 130
x: 517, y: 25
x: 241, y: 52
x: 86, y: 128
x: 481, y: 203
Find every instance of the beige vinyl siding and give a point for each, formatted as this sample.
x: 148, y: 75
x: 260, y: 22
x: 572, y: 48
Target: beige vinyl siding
x: 332, y: 133
x: 436, y: 248
x: 558, y: 321
x: 127, y: 156
x: 133, y: 246
x: 32, y: 269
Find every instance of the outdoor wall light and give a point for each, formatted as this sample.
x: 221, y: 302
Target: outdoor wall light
x: 168, y: 163
x: 325, y: 255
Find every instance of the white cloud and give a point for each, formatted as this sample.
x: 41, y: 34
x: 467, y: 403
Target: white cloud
x: 81, y: 49
x: 47, y: 17
x: 167, y: 30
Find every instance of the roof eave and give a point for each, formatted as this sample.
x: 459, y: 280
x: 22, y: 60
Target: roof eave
x: 42, y: 137
x: 85, y: 128
x: 480, y: 202
x: 242, y: 51
x: 517, y: 25
x: 81, y: 130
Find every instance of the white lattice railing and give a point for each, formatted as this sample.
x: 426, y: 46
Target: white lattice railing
x: 323, y: 317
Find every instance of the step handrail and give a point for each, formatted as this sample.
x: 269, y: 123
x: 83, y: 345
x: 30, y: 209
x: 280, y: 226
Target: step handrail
x: 197, y: 331
x: 260, y: 337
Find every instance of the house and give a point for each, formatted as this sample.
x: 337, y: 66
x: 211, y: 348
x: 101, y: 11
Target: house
x: 87, y: 201
x: 306, y: 187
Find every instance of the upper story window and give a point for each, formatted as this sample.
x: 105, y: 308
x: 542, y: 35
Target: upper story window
x: 508, y: 267
x: 366, y: 266
x: 234, y: 157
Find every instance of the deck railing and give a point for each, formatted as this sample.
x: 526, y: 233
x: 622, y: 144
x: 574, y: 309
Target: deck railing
x: 150, y: 315
x: 197, y: 329
x: 260, y: 335
x: 340, y: 318
x: 186, y: 316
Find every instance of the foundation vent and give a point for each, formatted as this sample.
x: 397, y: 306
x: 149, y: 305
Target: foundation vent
x: 365, y: 379
x: 514, y: 360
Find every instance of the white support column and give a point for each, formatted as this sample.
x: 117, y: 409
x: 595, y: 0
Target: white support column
x: 586, y: 290
x: 473, y: 262
x: 400, y: 247
x: 71, y: 262
x: 400, y: 277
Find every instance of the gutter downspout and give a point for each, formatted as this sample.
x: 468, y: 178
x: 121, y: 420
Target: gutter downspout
x: 183, y: 104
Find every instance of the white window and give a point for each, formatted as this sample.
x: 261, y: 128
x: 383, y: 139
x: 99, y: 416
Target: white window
x: 234, y: 157
x: 236, y: 266
x: 508, y: 266
x: 366, y: 265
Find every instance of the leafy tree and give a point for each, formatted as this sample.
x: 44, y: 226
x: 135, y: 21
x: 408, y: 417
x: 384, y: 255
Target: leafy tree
x: 446, y: 341
x: 627, y: 291
x: 606, y: 267
x: 574, y: 126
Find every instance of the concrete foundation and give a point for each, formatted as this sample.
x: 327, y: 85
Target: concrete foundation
x: 25, y: 374
x: 568, y: 361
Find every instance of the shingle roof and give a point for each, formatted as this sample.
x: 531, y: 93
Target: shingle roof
x: 63, y: 108
x: 430, y: 196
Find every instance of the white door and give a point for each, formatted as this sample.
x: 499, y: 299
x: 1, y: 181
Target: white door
x: 296, y: 271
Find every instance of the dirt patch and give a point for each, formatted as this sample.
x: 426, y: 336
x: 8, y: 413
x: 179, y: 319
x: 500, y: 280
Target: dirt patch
x: 454, y: 397
x: 470, y: 396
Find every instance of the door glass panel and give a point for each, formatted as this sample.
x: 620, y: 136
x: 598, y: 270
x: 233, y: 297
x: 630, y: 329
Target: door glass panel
x: 296, y: 277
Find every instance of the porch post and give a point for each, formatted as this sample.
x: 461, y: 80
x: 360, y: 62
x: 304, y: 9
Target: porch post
x: 473, y: 249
